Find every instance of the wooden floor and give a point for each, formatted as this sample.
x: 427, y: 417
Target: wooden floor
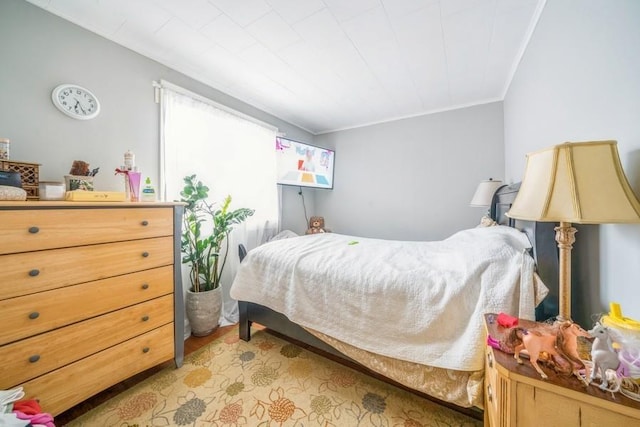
x: 190, y: 345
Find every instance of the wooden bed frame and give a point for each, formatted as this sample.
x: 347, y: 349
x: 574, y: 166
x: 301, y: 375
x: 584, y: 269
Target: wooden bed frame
x: 544, y: 251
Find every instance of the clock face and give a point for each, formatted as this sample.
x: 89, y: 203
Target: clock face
x: 75, y: 101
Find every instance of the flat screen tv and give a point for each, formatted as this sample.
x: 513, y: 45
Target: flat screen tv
x: 303, y: 164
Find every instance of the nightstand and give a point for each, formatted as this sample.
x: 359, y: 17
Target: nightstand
x: 516, y: 396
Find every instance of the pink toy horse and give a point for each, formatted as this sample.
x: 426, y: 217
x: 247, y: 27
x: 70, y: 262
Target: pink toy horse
x: 535, y: 344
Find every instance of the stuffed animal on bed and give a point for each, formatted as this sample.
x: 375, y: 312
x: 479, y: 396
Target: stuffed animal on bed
x: 316, y: 225
x: 486, y: 221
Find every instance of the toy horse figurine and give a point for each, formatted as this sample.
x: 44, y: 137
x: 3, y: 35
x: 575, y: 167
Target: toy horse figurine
x: 602, y: 354
x: 535, y: 344
x: 568, y: 333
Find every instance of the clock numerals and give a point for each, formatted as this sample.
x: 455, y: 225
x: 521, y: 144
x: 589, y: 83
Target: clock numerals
x: 76, y: 102
x: 84, y: 107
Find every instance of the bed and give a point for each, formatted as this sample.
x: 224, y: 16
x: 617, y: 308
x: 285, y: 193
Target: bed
x: 426, y: 335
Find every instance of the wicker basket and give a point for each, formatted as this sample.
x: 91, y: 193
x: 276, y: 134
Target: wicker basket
x: 29, y: 173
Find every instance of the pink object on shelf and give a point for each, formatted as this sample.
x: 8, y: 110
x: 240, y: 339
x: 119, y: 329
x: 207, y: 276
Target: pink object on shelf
x: 492, y: 342
x: 134, y: 185
x: 507, y: 321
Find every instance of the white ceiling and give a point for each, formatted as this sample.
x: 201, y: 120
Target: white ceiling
x: 326, y: 65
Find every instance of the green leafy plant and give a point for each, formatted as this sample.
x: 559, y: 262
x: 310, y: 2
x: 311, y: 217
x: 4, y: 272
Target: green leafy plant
x: 201, y: 249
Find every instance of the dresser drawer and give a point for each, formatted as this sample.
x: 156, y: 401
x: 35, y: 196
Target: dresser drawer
x: 29, y: 273
x: 491, y: 403
x: 38, y: 229
x: 43, y: 353
x: 29, y: 315
x: 71, y: 384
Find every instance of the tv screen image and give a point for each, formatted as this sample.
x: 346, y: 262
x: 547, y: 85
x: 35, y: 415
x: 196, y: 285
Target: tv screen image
x: 304, y: 165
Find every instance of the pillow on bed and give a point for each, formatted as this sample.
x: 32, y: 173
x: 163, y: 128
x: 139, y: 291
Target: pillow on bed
x: 501, y: 235
x: 284, y: 234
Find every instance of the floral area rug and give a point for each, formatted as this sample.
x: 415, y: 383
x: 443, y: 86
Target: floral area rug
x: 266, y: 382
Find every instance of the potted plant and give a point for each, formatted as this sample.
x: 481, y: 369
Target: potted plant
x: 205, y: 230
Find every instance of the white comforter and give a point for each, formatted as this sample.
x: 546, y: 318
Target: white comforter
x: 417, y: 301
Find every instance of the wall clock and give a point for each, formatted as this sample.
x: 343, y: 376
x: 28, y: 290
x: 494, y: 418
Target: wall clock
x: 75, y: 101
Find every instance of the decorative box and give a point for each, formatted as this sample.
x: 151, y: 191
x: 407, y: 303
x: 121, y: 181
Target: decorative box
x: 30, y: 174
x: 50, y: 190
x: 77, y: 182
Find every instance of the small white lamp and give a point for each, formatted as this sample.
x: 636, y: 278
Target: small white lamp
x: 484, y: 193
x: 579, y: 182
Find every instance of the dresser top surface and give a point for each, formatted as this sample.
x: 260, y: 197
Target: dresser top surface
x: 72, y: 205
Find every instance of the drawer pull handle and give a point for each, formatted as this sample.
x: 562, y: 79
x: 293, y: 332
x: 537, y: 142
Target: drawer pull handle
x: 490, y: 359
x: 145, y: 349
x: 33, y: 230
x: 489, y: 393
x: 34, y: 272
x: 34, y: 315
x: 145, y: 318
x: 34, y: 358
x: 145, y: 223
x: 145, y: 254
x: 145, y: 286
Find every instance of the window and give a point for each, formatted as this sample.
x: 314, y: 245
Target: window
x: 229, y: 152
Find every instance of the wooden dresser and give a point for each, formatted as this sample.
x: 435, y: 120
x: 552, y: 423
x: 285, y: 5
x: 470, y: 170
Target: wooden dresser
x: 516, y: 396
x: 90, y: 295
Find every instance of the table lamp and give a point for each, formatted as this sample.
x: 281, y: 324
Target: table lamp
x: 574, y: 182
x: 484, y: 193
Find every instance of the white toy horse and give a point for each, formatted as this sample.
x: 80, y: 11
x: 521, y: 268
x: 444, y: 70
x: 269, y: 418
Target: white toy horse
x: 603, y: 355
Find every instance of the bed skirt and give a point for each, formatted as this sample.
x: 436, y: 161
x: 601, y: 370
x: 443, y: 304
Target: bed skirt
x: 462, y: 388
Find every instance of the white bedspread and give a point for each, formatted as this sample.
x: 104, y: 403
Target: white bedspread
x: 417, y: 301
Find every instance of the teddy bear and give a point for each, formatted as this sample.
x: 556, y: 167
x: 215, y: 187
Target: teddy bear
x: 316, y: 225
x: 486, y: 221
x: 79, y: 168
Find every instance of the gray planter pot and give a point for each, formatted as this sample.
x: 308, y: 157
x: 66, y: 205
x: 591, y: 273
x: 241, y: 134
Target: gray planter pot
x: 203, y: 311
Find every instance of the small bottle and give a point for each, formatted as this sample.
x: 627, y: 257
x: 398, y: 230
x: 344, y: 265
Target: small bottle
x: 4, y: 148
x: 148, y: 193
x: 129, y: 160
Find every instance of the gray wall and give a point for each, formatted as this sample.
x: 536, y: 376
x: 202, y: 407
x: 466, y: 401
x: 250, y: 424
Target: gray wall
x: 413, y: 179
x: 40, y: 51
x: 579, y: 80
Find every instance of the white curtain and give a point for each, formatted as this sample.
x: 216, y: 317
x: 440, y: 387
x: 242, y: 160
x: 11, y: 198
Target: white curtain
x: 230, y: 153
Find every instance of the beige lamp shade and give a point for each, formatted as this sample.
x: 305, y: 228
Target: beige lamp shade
x: 484, y: 193
x: 578, y: 182
x: 575, y: 182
